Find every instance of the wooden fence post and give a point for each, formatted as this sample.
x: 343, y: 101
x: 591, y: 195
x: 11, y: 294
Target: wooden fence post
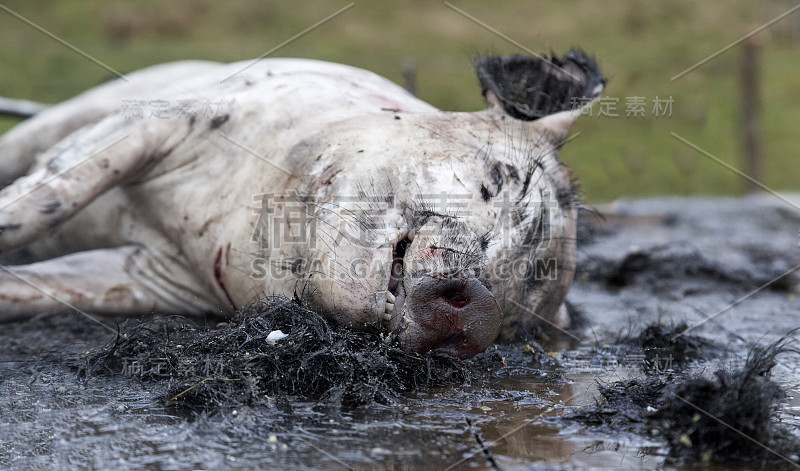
x: 751, y: 111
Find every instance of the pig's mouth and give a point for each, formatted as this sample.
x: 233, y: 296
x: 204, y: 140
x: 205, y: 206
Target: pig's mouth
x: 396, y: 295
x: 450, y: 312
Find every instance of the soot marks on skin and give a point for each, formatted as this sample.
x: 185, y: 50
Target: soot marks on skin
x: 537, y: 234
x: 496, y: 181
x: 532, y: 281
x: 306, y: 198
x: 204, y: 228
x: 296, y: 159
x: 497, y: 176
x: 485, y: 194
x: 512, y: 172
x: 533, y: 164
x: 525, y: 185
x: 50, y: 208
x: 297, y: 266
x: 420, y: 211
x: 425, y: 214
x: 9, y: 227
x: 152, y: 161
x: 575, y: 198
x: 54, y: 164
x: 541, y: 229
x: 567, y: 192
x: 329, y: 173
x: 218, y: 121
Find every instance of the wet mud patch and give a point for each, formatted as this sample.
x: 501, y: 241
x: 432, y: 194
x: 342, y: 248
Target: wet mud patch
x: 728, y: 416
x: 667, y: 267
x: 322, y: 396
x: 669, y: 341
x: 113, y: 415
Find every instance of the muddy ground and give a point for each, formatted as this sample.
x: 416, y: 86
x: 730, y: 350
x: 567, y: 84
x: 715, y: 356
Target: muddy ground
x: 698, y: 261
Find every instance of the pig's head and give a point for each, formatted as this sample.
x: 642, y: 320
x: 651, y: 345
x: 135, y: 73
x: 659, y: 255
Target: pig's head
x: 447, y: 229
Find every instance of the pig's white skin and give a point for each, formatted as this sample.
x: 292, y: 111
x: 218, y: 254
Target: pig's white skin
x: 163, y: 219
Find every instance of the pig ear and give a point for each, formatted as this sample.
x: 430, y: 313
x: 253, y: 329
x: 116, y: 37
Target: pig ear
x: 557, y: 125
x: 550, y: 90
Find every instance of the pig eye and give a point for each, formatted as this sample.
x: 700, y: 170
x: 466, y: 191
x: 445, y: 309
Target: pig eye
x: 496, y: 180
x: 497, y: 177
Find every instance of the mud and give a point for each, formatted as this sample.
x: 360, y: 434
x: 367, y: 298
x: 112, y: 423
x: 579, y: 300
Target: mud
x: 727, y: 417
x: 646, y: 270
x: 274, y: 350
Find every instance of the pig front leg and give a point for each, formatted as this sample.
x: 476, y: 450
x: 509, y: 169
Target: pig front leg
x: 76, y: 171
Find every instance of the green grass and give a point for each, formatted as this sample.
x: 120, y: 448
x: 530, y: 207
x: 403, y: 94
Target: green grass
x: 640, y: 45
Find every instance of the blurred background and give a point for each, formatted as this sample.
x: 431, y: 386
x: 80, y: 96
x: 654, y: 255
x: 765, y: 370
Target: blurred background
x: 625, y: 148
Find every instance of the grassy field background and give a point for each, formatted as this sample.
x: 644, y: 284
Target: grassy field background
x: 640, y: 46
